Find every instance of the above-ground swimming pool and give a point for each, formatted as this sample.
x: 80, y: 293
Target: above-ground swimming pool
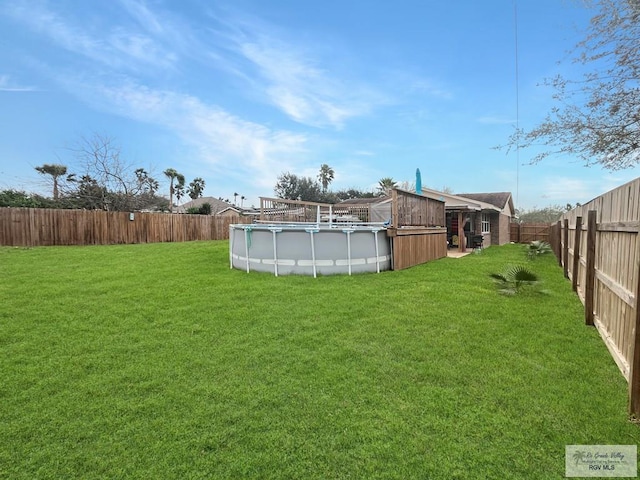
x: 309, y: 249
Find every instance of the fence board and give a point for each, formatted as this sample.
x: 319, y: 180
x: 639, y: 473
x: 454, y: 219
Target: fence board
x: 610, y: 267
x: 416, y: 246
x: 528, y: 232
x: 30, y: 227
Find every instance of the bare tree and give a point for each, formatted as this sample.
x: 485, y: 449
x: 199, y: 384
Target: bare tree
x: 121, y: 186
x: 597, y: 116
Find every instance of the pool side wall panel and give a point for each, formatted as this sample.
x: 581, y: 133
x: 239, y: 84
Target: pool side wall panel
x: 293, y: 250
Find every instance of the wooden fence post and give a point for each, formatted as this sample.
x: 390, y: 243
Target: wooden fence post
x: 576, y: 255
x: 634, y: 361
x: 565, y: 248
x: 558, y: 242
x: 589, y: 288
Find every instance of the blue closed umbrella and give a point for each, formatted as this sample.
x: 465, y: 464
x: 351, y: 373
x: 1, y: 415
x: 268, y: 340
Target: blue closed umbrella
x: 418, y: 181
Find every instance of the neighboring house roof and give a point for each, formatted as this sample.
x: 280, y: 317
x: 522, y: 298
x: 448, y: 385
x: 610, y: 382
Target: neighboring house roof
x: 217, y: 205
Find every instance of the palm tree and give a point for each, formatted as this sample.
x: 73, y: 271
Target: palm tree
x: 235, y: 196
x: 325, y: 176
x: 196, y: 187
x: 176, y: 177
x: 242, y: 199
x: 56, y: 171
x: 386, y: 184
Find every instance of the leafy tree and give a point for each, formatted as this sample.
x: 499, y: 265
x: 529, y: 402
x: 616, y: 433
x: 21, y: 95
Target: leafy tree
x: 179, y: 191
x: 325, y: 176
x: 548, y: 214
x: 204, y: 209
x: 596, y: 117
x: 146, y: 184
x: 292, y: 187
x: 56, y: 171
x: 385, y: 185
x: 17, y: 198
x: 349, y: 193
x: 90, y: 195
x: 176, y: 181
x: 196, y: 187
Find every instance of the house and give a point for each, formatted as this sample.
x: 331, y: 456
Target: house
x: 486, y: 214
x: 218, y: 207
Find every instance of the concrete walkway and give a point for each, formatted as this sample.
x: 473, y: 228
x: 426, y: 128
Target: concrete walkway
x: 457, y: 254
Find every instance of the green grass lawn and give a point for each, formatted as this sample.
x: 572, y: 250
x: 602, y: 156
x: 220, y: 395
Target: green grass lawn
x: 158, y: 361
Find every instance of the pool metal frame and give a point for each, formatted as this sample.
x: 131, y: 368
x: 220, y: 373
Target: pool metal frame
x: 320, y: 256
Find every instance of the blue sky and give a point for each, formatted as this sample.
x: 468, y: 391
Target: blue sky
x: 240, y: 91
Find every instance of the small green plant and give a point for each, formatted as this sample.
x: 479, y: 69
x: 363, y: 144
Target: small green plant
x: 204, y: 209
x: 514, y: 279
x: 537, y: 248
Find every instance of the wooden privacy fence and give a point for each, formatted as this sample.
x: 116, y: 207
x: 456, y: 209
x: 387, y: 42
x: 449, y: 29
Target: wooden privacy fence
x: 528, y: 232
x: 418, y: 233
x: 598, y: 246
x: 30, y: 227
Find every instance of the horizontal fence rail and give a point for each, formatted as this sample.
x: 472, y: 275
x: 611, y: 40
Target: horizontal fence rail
x: 598, y: 247
x: 30, y: 227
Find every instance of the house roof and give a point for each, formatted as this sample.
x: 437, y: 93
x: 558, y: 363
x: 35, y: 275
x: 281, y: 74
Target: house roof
x: 217, y: 205
x: 502, y: 200
x: 499, y: 199
x: 472, y: 201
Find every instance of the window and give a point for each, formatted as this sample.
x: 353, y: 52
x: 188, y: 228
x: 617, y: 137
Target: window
x: 486, y: 225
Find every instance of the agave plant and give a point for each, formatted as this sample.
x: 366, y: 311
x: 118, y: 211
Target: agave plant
x: 537, y: 248
x: 514, y: 279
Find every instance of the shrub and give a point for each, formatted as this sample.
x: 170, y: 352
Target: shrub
x: 537, y: 248
x: 514, y: 279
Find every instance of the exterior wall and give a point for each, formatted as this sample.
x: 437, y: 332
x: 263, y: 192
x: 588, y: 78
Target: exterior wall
x: 505, y: 229
x: 500, y: 233
x: 494, y: 222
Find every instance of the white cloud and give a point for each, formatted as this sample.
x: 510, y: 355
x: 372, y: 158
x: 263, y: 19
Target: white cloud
x: 145, y: 17
x: 115, y: 47
x: 566, y: 189
x: 8, y: 85
x: 297, y: 79
x: 220, y: 137
x: 429, y: 87
x: 495, y: 120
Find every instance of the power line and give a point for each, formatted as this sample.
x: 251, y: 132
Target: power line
x: 515, y: 18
